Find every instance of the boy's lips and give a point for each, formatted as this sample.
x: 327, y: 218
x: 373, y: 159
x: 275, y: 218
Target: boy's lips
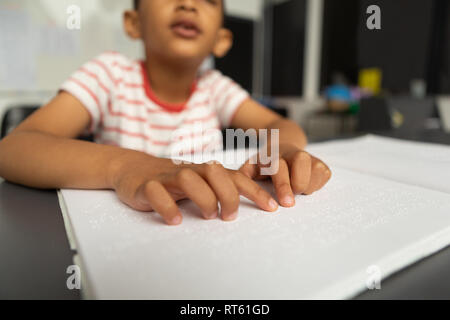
x: 186, y: 29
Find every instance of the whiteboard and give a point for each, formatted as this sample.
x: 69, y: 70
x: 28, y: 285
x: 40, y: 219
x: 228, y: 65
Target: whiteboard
x: 37, y: 50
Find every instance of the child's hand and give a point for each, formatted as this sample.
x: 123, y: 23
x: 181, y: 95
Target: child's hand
x: 298, y: 173
x: 146, y: 186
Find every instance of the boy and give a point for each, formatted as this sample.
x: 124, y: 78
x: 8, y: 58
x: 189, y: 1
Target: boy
x: 135, y: 108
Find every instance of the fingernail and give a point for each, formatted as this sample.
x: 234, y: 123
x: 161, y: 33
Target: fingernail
x: 288, y: 201
x: 273, y: 204
x: 211, y: 216
x: 231, y: 217
x: 176, y: 220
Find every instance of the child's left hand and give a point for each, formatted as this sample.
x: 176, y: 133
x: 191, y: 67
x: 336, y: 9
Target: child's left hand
x: 298, y: 173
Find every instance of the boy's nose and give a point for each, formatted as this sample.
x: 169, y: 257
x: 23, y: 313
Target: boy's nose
x: 188, y: 5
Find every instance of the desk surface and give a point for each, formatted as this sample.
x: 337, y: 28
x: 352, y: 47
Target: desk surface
x: 35, y: 253
x: 34, y: 250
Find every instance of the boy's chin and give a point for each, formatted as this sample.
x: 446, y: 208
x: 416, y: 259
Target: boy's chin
x: 187, y: 54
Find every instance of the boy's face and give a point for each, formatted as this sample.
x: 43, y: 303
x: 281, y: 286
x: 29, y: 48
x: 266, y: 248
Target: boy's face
x: 188, y: 30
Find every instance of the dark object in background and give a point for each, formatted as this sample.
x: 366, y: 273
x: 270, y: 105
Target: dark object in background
x: 238, y: 63
x: 374, y: 115
x: 401, y: 48
x: 339, y: 46
x: 438, y: 76
x: 444, y: 70
x: 413, y: 43
x: 14, y: 116
x: 413, y: 112
x: 403, y: 115
x: 288, y: 42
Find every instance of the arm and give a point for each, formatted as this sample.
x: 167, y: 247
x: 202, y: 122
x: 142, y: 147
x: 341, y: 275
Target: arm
x: 298, y: 172
x: 252, y: 115
x: 42, y: 153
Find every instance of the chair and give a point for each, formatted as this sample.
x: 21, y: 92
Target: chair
x: 374, y: 115
x: 414, y: 113
x: 14, y: 116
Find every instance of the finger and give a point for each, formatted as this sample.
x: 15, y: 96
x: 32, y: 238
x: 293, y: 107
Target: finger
x: 282, y: 184
x: 326, y: 176
x: 161, y: 202
x: 252, y: 191
x: 249, y: 169
x: 300, y: 170
x: 325, y: 179
x: 225, y: 190
x: 320, y: 174
x: 199, y: 192
x: 252, y: 169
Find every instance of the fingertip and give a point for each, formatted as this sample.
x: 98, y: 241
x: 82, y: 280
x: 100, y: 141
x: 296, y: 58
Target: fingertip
x: 211, y: 216
x: 273, y: 205
x: 230, y: 217
x: 175, y: 221
x: 287, y: 201
x: 328, y: 175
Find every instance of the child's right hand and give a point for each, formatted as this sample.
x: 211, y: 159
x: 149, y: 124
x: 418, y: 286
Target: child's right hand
x: 150, y: 184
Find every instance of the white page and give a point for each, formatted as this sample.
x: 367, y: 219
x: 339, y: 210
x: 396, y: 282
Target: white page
x: 416, y: 163
x: 319, y: 249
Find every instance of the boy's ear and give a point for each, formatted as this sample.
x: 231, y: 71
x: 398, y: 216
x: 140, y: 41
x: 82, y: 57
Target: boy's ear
x: 224, y: 43
x: 132, y: 24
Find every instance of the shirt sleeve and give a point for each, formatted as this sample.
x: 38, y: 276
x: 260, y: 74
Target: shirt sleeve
x: 227, y: 97
x: 92, y: 85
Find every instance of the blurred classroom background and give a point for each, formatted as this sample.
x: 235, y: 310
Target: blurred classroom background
x: 315, y: 61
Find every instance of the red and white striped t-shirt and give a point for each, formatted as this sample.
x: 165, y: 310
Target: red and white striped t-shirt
x: 126, y: 113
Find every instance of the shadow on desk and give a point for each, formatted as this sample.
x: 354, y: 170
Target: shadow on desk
x: 424, y: 280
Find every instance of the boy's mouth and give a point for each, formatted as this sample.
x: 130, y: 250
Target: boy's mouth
x: 186, y: 29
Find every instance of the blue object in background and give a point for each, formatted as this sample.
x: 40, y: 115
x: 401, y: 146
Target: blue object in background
x: 339, y: 92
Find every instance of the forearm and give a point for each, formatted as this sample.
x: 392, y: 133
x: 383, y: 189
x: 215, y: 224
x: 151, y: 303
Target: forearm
x: 289, y: 133
x: 43, y: 161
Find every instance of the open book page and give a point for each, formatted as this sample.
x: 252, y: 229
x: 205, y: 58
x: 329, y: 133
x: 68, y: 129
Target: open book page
x: 321, y: 248
x: 416, y: 163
